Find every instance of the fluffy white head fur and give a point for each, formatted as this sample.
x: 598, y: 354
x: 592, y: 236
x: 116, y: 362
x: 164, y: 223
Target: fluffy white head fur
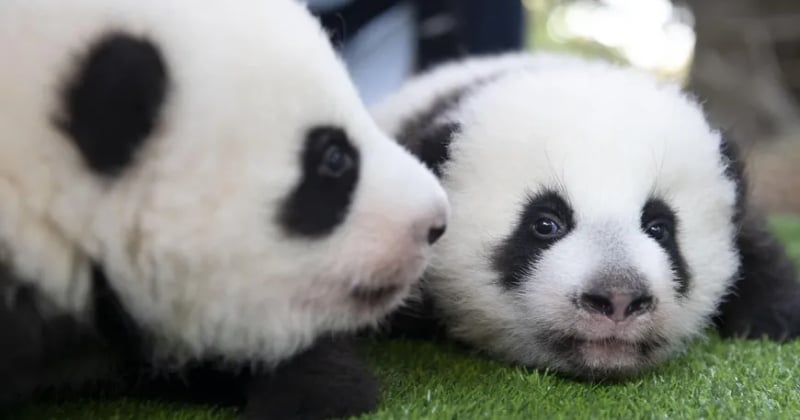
x: 606, y: 139
x: 188, y: 234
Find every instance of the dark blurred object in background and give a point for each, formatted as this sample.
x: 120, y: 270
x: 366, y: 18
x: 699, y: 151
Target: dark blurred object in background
x: 449, y: 29
x: 386, y: 41
x: 747, y: 58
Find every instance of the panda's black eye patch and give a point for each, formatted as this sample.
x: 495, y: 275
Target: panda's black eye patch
x: 659, y: 222
x: 544, y: 219
x: 330, y: 170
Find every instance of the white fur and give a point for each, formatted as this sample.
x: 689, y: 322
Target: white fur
x: 187, y: 235
x: 607, y: 138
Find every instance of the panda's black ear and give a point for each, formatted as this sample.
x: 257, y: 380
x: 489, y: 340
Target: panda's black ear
x: 735, y: 171
x: 111, y: 102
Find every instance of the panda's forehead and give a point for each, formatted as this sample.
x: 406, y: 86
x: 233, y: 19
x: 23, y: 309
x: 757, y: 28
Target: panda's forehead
x: 605, y: 154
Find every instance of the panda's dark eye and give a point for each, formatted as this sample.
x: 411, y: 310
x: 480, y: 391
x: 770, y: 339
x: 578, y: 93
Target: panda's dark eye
x: 548, y: 226
x: 335, y: 162
x: 329, y: 155
x: 659, y: 230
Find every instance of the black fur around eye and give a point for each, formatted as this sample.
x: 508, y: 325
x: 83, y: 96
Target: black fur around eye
x: 544, y: 219
x: 330, y: 171
x: 660, y: 222
x: 548, y: 226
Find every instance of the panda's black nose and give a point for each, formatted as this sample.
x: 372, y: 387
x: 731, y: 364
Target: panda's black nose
x: 435, y: 233
x: 617, y: 306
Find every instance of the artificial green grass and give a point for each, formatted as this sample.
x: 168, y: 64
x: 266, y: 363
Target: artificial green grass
x: 714, y: 379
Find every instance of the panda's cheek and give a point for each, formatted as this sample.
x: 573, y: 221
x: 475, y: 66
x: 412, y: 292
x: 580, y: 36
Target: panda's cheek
x: 555, y: 276
x: 655, y: 265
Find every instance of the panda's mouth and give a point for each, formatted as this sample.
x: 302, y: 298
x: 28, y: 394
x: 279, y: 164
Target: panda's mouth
x: 614, y: 356
x: 375, y: 296
x: 615, y: 346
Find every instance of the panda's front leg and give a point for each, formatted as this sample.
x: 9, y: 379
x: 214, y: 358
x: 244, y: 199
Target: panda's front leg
x: 765, y: 300
x: 330, y: 380
x: 43, y: 347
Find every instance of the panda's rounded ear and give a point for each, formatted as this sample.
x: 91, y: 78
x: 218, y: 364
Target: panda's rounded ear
x: 734, y: 168
x: 111, y: 102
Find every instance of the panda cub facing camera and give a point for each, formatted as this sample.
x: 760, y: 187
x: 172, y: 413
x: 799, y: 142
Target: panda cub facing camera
x: 186, y: 198
x: 598, y: 222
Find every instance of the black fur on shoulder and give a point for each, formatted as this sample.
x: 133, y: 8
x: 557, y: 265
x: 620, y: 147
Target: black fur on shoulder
x: 50, y: 356
x: 764, y: 301
x: 43, y: 348
x: 111, y: 105
x: 329, y: 380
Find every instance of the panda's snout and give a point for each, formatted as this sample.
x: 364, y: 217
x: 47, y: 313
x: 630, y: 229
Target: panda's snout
x: 617, y: 306
x: 617, y: 296
x: 431, y: 226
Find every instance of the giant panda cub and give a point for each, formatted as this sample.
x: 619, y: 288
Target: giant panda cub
x: 194, y: 199
x: 598, y: 221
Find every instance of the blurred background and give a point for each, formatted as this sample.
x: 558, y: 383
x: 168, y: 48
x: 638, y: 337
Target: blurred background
x: 741, y: 57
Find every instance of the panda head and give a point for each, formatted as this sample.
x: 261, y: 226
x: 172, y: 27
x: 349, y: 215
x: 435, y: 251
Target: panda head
x: 214, y: 162
x: 593, y: 217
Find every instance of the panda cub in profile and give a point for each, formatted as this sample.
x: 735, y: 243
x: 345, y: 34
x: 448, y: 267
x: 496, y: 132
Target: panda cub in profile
x: 193, y: 195
x: 598, y: 221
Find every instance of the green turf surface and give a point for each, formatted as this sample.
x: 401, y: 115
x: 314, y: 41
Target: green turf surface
x: 713, y: 379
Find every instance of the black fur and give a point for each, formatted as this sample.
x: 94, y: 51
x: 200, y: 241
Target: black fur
x: 53, y: 356
x: 735, y: 171
x: 43, y: 347
x: 417, y: 319
x: 327, y: 381
x: 765, y: 298
x: 428, y: 136
x: 113, y: 322
x: 513, y: 257
x: 321, y: 202
x: 434, y: 149
x: 111, y: 105
x: 658, y: 209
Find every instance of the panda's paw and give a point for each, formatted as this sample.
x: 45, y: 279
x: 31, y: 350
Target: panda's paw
x: 327, y: 381
x: 779, y: 321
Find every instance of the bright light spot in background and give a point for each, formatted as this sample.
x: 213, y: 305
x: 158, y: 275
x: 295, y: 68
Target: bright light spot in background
x: 651, y: 34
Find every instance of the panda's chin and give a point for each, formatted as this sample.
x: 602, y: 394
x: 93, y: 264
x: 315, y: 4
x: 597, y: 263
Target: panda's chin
x: 387, y: 288
x: 611, y: 354
x: 608, y: 358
